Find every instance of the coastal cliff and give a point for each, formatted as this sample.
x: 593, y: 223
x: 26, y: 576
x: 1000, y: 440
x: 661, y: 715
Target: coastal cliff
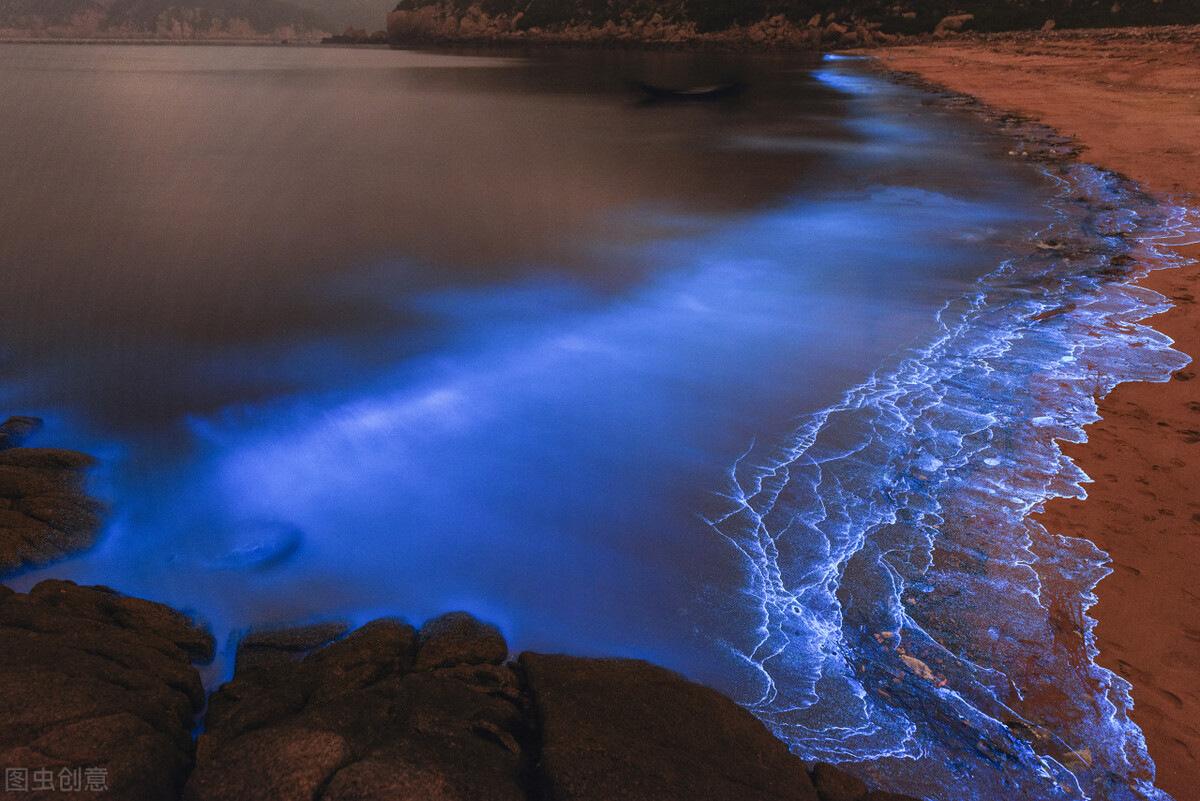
x: 792, y: 24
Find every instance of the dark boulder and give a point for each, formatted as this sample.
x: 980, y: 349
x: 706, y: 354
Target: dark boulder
x: 96, y: 682
x: 15, y: 430
x: 356, y: 719
x: 388, y: 714
x: 44, y: 511
x: 457, y: 638
x: 615, y: 728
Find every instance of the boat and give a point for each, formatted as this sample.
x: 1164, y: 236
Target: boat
x: 717, y: 91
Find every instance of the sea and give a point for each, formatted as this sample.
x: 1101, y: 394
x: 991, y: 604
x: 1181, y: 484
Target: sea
x: 764, y: 389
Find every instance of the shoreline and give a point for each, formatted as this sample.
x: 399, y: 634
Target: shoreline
x: 1125, y: 99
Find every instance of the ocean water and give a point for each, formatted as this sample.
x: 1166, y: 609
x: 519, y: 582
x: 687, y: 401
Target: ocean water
x: 762, y: 390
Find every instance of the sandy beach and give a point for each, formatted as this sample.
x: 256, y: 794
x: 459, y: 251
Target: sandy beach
x: 1132, y: 98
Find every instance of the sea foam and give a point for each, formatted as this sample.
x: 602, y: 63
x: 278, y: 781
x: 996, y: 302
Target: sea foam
x: 912, y: 615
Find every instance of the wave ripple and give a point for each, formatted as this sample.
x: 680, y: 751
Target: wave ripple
x: 909, y: 613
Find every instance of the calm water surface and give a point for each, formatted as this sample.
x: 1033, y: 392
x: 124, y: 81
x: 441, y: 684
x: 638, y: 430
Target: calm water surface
x: 364, y: 332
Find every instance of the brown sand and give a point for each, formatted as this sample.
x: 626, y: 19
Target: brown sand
x: 1132, y: 98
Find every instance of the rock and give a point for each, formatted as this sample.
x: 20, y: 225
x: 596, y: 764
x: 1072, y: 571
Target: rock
x: 160, y: 625
x: 457, y: 638
x: 615, y: 728
x: 883, y: 795
x: 96, y: 681
x: 46, y: 458
x: 44, y: 513
x: 356, y: 720
x: 285, y: 645
x: 364, y: 718
x: 1047, y: 26
x: 834, y: 784
x: 15, y: 430
x: 952, y: 24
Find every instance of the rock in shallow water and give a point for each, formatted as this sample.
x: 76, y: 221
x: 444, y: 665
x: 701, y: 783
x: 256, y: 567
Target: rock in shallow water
x: 617, y: 728
x: 390, y: 714
x: 358, y: 719
x: 271, y: 647
x: 248, y: 545
x: 15, y: 430
x: 835, y: 785
x: 44, y: 513
x: 93, y: 681
x: 97, y: 681
x: 457, y: 638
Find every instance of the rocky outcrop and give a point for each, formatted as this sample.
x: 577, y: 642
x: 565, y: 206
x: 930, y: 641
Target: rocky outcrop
x: 449, y: 22
x: 99, y: 693
x: 391, y: 713
x: 617, y: 728
x: 742, y: 24
x: 44, y: 512
x: 371, y: 717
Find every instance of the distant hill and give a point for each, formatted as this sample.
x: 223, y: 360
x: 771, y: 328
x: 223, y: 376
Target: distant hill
x: 199, y: 19
x: 896, y: 16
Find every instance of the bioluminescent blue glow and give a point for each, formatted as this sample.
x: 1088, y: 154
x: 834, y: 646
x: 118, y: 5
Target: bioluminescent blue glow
x: 761, y: 391
x: 905, y: 603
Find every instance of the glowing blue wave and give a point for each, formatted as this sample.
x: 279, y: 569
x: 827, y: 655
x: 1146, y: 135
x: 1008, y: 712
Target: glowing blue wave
x: 909, y: 609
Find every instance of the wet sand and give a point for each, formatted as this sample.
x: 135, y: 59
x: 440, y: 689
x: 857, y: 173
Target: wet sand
x: 1132, y: 99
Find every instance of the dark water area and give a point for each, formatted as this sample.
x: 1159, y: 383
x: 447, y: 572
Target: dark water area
x: 368, y: 332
